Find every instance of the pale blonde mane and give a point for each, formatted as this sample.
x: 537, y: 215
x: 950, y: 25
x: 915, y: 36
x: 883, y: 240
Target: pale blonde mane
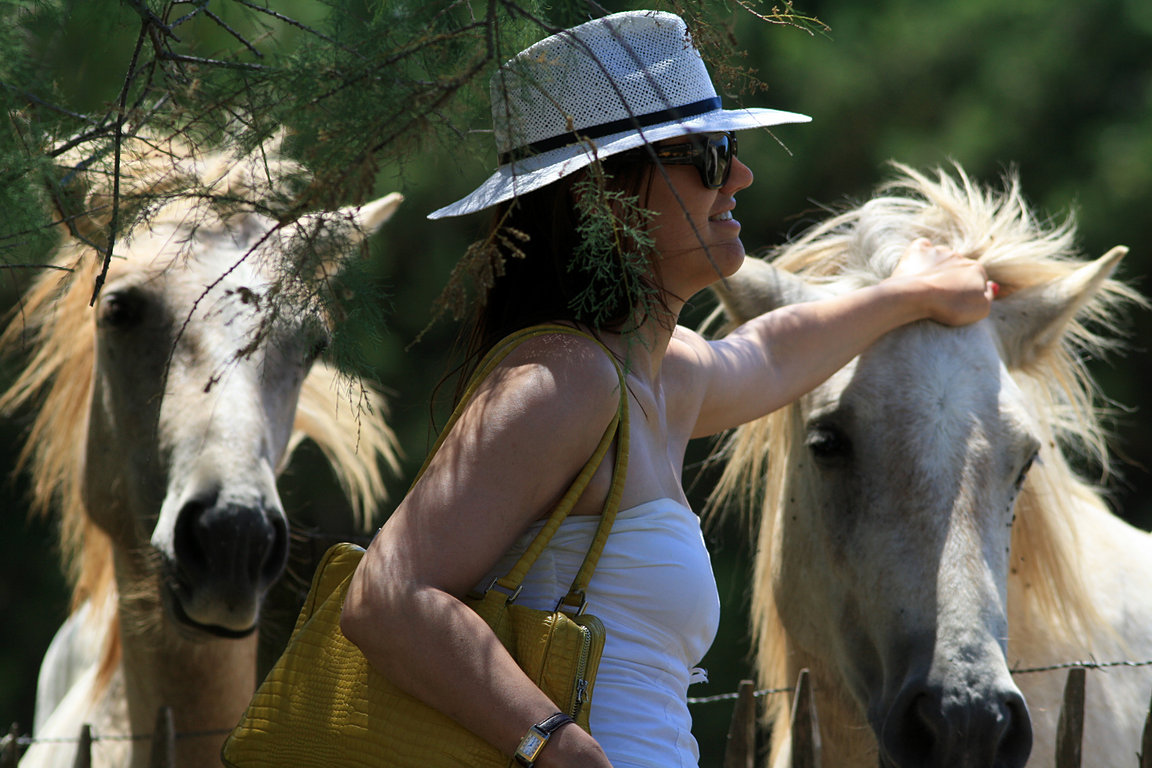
x: 54, y: 326
x: 859, y: 247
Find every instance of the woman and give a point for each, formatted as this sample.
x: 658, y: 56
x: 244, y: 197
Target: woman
x: 627, y: 97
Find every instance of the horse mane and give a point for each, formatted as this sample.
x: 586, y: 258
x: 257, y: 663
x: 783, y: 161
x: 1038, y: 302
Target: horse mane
x: 54, y: 325
x: 861, y: 246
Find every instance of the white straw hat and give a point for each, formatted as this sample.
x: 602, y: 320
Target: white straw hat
x: 617, y: 82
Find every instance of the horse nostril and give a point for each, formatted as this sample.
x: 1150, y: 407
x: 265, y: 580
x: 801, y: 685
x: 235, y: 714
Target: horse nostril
x: 276, y: 556
x: 913, y: 730
x: 1016, y: 735
x: 187, y: 544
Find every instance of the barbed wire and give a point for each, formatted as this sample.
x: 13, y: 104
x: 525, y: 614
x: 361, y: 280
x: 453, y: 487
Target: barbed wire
x: 735, y: 695
x: 1089, y: 664
x: 27, y: 741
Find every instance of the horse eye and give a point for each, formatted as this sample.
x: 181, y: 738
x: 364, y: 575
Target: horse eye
x: 122, y: 309
x: 1024, y: 471
x: 828, y: 442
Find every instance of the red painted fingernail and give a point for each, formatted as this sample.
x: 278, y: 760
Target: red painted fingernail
x: 995, y: 288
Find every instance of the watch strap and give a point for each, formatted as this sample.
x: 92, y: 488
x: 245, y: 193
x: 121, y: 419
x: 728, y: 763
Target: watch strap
x: 537, y: 736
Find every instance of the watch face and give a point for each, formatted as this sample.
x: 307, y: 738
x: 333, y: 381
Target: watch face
x: 531, y: 745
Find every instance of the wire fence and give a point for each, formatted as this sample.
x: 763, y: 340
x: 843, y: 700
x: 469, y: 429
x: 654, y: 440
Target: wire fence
x: 1090, y: 664
x: 741, y: 748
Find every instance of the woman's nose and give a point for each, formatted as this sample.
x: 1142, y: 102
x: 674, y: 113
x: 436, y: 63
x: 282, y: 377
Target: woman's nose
x: 739, y: 178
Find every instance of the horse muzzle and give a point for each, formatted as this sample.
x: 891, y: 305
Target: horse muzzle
x: 980, y: 723
x: 224, y: 557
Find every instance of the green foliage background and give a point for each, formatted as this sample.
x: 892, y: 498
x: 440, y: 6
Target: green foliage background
x: 391, y: 97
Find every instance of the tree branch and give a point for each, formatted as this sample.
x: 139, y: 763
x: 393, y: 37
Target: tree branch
x: 117, y: 139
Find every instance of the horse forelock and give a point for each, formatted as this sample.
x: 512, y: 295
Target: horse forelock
x: 164, y: 177
x: 862, y: 245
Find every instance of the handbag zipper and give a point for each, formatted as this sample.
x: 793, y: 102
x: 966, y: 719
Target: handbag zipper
x: 582, y: 670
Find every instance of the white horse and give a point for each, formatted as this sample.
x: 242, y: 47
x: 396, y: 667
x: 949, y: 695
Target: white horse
x: 164, y: 414
x: 922, y: 532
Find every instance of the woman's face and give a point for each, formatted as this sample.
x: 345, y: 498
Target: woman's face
x: 695, y: 235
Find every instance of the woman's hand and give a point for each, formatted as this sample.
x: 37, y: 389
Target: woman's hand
x: 957, y: 289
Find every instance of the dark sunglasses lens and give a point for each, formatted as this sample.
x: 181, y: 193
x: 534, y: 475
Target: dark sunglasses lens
x: 717, y: 160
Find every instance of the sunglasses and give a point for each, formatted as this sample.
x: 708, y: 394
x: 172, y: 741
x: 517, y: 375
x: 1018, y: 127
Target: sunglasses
x: 712, y: 155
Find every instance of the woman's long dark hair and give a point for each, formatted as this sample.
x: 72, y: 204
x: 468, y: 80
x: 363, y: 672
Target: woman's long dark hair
x: 543, y: 274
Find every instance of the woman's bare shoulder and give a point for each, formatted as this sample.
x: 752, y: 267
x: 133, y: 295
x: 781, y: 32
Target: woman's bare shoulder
x: 690, y: 356
x: 573, y: 371
x: 686, y: 340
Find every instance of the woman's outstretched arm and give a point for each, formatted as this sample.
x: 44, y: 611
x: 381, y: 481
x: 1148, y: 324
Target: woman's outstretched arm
x: 776, y: 357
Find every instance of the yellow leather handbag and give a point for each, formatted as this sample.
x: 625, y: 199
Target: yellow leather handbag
x: 323, y: 706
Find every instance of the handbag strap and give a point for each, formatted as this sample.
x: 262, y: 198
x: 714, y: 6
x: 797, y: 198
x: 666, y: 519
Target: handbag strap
x: 617, y: 429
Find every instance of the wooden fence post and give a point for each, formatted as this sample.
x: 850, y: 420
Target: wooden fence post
x: 1070, y: 728
x: 1146, y: 741
x: 163, y: 753
x: 10, y: 748
x: 805, y: 727
x: 740, y: 751
x: 84, y: 748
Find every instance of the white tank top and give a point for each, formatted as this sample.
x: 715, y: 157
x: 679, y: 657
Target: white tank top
x: 656, y: 594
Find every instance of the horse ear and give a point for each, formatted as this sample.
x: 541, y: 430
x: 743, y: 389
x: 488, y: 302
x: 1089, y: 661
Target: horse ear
x: 758, y: 287
x: 369, y: 217
x: 1031, y: 320
x: 356, y: 223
